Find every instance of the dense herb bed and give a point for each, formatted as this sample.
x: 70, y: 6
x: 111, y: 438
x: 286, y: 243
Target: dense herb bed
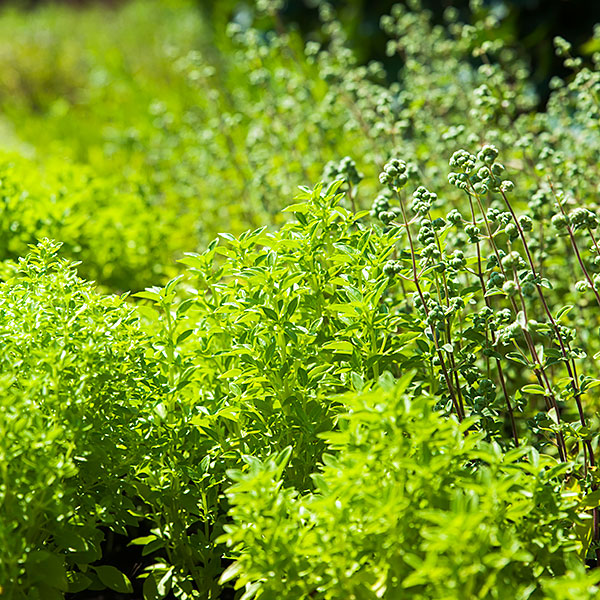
x: 381, y: 385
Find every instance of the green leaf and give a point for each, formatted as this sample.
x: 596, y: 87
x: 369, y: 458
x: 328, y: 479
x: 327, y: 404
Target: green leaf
x: 592, y: 500
x: 357, y: 381
x: 153, y: 546
x: 292, y: 306
x: 230, y: 572
x: 113, y: 579
x: 157, y: 589
x: 78, y: 582
x: 157, y: 585
x: 565, y: 310
x: 558, y: 470
x: 183, y: 336
x: 282, y: 459
x: 142, y: 541
x: 533, y: 388
x: 300, y: 207
x: 270, y: 313
x: 48, y: 568
x: 341, y: 347
x: 148, y: 294
x: 517, y: 358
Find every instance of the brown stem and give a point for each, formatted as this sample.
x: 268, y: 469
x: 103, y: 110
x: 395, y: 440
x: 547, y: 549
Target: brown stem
x: 455, y: 402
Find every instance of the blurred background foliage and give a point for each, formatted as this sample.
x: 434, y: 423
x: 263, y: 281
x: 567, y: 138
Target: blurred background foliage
x: 170, y: 133
x: 533, y: 23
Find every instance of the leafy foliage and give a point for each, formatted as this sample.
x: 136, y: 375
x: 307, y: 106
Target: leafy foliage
x: 76, y: 389
x: 117, y: 239
x: 384, y: 388
x: 406, y: 504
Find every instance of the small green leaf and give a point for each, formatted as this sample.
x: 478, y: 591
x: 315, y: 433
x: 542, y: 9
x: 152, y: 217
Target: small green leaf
x: 341, y: 346
x: 150, y: 589
x: 142, y: 541
x: 270, y: 313
x: 533, y: 388
x: 565, y: 310
x: 300, y: 207
x: 230, y: 572
x: 357, y: 381
x: 183, y: 336
x: 592, y: 500
x: 517, y: 358
x: 113, y: 579
x: 78, y: 582
x: 148, y: 295
x: 558, y: 470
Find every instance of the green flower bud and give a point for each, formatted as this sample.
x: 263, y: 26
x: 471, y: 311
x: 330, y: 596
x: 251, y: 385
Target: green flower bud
x: 510, y: 288
x: 488, y: 154
x: 560, y: 221
x: 526, y: 223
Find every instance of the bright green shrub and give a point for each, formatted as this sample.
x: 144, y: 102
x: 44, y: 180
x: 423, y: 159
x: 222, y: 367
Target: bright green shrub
x: 407, y: 504
x: 252, y: 358
x: 76, y: 398
x: 115, y: 236
x: 290, y: 318
x: 270, y: 327
x: 148, y: 133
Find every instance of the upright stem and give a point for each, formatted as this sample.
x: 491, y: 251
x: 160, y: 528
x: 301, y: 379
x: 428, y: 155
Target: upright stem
x: 574, y: 245
x: 509, y: 407
x: 559, y: 338
x: 457, y: 405
x: 537, y: 366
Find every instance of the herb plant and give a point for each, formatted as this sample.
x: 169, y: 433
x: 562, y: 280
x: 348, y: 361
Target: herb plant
x: 383, y: 384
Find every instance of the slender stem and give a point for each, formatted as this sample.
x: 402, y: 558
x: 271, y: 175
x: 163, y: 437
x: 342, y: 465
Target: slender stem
x: 493, y: 335
x: 574, y: 245
x: 455, y: 402
x: 537, y: 366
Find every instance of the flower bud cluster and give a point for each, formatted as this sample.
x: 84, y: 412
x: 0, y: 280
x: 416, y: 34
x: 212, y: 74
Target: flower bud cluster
x: 394, y: 174
x: 454, y: 217
x: 582, y: 218
x: 392, y: 268
x: 380, y: 204
x: 344, y: 169
x: 423, y: 200
x: 463, y: 161
x: 488, y: 154
x: 513, y: 260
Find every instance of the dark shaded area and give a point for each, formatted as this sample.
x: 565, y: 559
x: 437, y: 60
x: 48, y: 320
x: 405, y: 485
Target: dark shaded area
x: 534, y: 24
x: 128, y: 559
